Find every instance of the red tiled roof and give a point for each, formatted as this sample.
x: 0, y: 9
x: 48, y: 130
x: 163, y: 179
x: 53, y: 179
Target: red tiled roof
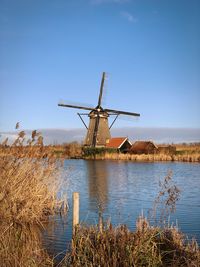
x: 116, y: 142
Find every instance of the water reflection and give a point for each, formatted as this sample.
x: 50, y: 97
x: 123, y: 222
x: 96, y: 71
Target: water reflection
x: 97, y: 174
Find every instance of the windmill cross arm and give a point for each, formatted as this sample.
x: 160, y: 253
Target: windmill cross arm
x: 73, y: 106
x: 122, y: 112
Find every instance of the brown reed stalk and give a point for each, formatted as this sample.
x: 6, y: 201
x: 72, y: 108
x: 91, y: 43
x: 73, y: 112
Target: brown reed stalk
x: 29, y: 181
x: 120, y: 247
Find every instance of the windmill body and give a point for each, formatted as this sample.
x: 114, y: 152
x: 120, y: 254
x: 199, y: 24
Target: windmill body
x: 98, y: 131
x: 98, y: 137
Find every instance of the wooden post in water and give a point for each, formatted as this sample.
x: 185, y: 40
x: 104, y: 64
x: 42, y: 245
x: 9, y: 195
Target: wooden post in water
x: 100, y: 222
x: 75, y: 210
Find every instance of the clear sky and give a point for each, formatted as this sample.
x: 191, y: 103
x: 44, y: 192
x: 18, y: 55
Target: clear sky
x: 58, y: 49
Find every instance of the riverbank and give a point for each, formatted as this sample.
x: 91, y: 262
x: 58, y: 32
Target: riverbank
x: 119, y: 247
x: 147, y: 157
x: 28, y: 188
x: 183, y: 153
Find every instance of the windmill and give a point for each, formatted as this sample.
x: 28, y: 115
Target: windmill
x: 98, y: 131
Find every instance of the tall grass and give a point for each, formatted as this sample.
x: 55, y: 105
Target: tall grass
x: 195, y: 157
x: 29, y: 181
x: 120, y: 247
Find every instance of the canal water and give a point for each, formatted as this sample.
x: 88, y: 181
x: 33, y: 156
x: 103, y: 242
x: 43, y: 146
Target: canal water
x: 123, y: 190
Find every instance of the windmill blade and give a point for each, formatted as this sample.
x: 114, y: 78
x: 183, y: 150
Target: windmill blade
x: 122, y: 112
x: 101, y: 89
x: 74, y: 106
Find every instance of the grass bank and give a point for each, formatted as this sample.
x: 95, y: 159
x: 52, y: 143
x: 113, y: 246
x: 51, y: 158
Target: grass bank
x: 29, y: 182
x: 120, y: 247
x: 149, y: 157
x: 183, y: 153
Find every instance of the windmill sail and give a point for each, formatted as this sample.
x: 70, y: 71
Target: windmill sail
x: 74, y: 106
x: 122, y: 112
x: 101, y: 89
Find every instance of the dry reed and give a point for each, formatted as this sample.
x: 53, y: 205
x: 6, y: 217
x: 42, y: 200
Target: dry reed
x: 119, y: 247
x: 149, y: 157
x: 29, y: 181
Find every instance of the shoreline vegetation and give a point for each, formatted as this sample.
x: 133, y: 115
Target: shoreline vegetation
x: 149, y: 157
x: 119, y: 247
x: 28, y: 190
x: 184, y: 153
x: 29, y: 183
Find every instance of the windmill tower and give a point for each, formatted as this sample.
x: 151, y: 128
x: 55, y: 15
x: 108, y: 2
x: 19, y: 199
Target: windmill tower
x: 98, y: 131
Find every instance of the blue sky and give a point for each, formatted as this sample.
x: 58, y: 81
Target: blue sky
x: 57, y: 49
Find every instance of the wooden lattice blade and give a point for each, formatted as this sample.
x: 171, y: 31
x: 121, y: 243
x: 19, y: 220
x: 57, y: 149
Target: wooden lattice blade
x: 101, y: 89
x: 74, y: 106
x: 122, y: 112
